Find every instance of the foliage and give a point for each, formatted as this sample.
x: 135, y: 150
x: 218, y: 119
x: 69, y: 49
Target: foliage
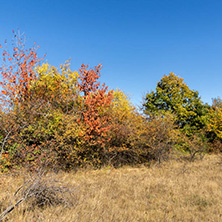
x: 215, y: 118
x: 17, y: 72
x: 136, y: 138
x: 55, y: 93
x: 96, y: 103
x: 57, y: 87
x: 123, y: 117
x: 158, y: 137
x: 194, y: 146
x: 173, y: 95
x: 214, y: 123
x: 62, y: 118
x: 122, y: 114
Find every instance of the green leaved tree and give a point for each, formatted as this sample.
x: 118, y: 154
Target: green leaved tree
x: 174, y: 96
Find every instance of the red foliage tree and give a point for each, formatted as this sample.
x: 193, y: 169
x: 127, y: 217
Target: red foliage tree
x: 17, y: 71
x: 96, y: 102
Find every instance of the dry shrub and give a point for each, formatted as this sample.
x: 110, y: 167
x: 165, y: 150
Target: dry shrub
x: 142, y: 140
x: 193, y: 147
x: 157, y: 138
x: 46, y: 191
x: 42, y: 190
x: 215, y: 146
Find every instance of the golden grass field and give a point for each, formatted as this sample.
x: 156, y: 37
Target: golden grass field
x: 173, y: 191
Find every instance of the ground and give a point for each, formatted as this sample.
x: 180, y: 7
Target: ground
x: 176, y: 190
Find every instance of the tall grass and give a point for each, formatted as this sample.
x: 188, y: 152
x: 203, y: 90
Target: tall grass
x: 173, y: 191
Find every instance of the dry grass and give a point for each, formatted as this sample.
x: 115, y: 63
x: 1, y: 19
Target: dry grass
x: 174, y: 191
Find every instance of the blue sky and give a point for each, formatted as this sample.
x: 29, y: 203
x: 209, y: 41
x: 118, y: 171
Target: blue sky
x: 137, y: 42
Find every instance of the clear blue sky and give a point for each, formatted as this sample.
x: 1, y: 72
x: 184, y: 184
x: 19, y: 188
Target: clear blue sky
x: 137, y: 42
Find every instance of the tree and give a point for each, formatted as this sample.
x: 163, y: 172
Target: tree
x: 122, y: 115
x: 96, y: 101
x: 17, y: 72
x: 214, y: 123
x: 54, y: 94
x: 173, y: 95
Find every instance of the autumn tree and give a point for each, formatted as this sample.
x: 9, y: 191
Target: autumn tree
x: 214, y: 124
x: 173, y: 95
x: 66, y: 118
x: 96, y: 100
x: 124, y: 116
x: 55, y: 93
x: 159, y: 137
x: 17, y: 73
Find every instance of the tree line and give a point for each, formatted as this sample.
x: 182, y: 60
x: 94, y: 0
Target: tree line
x: 57, y: 117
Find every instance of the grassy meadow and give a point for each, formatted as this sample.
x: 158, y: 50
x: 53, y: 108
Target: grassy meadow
x: 176, y: 190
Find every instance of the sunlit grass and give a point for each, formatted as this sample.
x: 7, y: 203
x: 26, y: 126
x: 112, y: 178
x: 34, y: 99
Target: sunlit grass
x: 173, y: 191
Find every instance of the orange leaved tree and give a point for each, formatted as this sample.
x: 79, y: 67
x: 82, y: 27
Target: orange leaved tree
x: 96, y: 101
x: 17, y: 73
